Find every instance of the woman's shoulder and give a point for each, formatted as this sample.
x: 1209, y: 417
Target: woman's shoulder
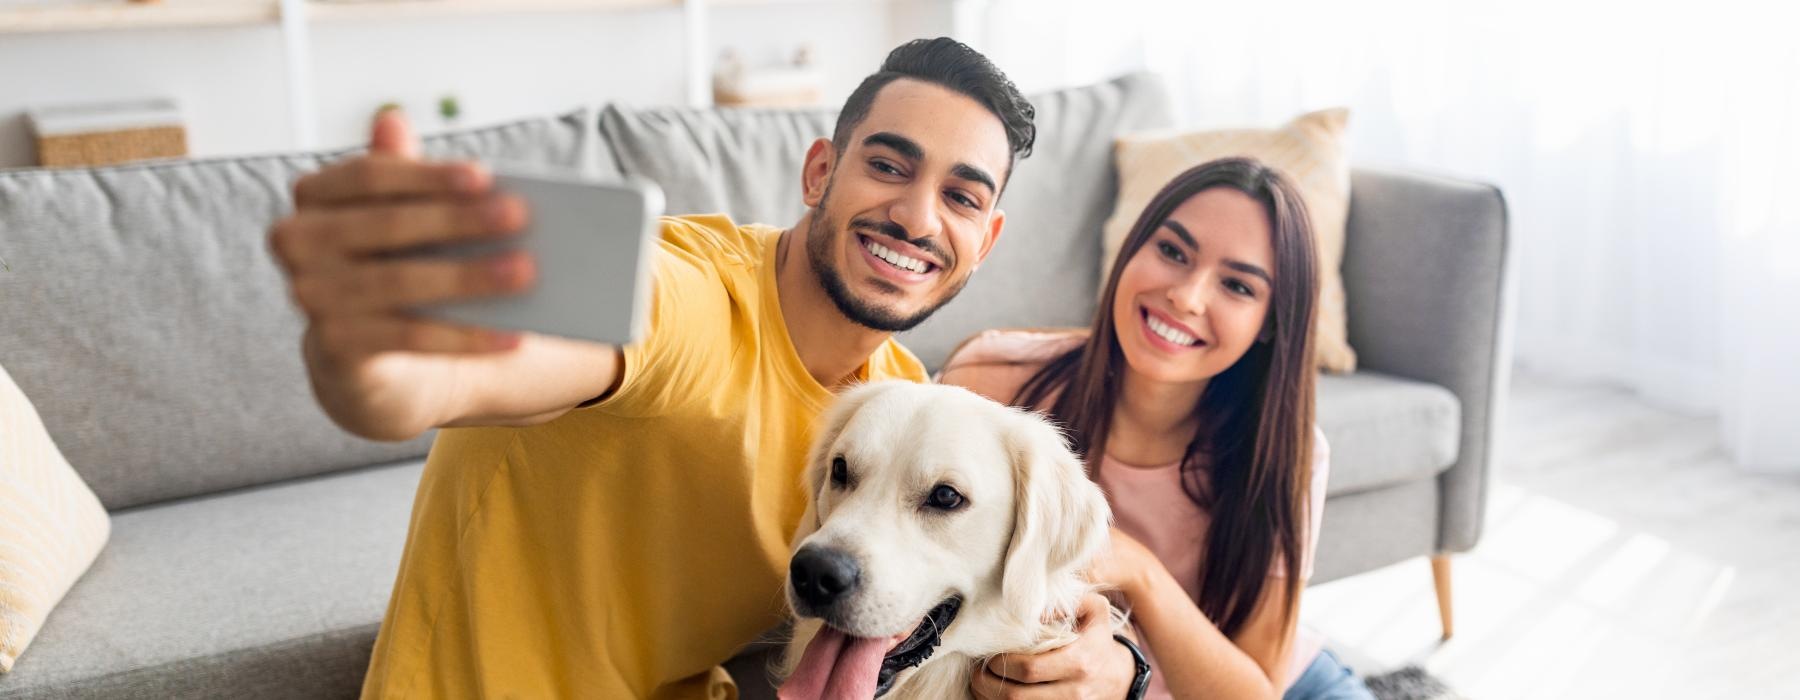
x: 996, y: 363
x: 1016, y: 346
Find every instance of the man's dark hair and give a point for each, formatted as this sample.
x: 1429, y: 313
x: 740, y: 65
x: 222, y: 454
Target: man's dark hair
x: 952, y: 64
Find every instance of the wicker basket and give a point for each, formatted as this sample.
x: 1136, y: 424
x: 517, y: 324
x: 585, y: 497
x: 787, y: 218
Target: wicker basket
x: 108, y: 147
x: 103, y: 134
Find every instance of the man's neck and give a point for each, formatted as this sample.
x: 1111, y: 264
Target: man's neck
x: 831, y: 346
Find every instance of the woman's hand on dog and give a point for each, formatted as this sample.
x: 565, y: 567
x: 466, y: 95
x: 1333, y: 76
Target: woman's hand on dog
x: 1125, y: 566
x: 1093, y: 666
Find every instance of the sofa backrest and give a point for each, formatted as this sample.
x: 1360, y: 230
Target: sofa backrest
x: 145, y: 319
x: 1043, y: 272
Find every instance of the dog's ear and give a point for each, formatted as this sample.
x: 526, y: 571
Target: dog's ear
x: 1060, y: 521
x: 830, y: 425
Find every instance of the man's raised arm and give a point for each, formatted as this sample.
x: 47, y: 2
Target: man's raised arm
x: 382, y: 373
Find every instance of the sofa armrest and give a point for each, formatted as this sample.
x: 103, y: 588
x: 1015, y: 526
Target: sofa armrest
x: 1425, y: 273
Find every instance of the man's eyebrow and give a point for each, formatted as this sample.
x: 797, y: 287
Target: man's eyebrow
x: 974, y: 174
x: 910, y: 150
x: 907, y: 147
x: 1238, y: 265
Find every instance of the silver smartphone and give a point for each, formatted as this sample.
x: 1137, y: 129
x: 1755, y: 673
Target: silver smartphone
x: 592, y: 240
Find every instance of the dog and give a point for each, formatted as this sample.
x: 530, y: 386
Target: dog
x: 942, y: 528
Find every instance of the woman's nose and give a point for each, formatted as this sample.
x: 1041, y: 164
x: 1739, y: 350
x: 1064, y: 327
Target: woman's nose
x: 1189, y: 296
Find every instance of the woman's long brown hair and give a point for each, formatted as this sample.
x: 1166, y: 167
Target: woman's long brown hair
x: 1256, y: 417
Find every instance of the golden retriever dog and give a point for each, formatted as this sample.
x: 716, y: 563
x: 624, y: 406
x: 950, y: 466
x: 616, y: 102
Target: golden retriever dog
x: 943, y: 528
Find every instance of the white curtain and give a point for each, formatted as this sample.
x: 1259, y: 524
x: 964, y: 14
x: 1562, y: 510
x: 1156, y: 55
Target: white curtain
x: 1650, y: 154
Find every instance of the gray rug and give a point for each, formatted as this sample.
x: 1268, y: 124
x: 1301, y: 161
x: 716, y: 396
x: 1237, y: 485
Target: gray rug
x: 1410, y: 683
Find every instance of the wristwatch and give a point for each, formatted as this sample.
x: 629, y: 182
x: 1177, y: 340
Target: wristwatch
x: 1140, y: 681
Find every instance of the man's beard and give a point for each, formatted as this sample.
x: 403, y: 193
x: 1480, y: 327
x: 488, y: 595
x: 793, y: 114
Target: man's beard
x: 859, y: 311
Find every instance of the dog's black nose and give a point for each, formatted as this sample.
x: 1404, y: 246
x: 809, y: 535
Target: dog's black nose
x: 821, y: 576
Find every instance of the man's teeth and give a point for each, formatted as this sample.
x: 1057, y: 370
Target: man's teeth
x: 1169, y: 333
x: 896, y: 259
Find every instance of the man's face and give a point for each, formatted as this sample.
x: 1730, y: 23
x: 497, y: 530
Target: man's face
x: 905, y: 214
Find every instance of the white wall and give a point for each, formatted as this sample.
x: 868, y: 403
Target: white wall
x: 229, y: 82
x: 232, y: 82
x: 499, y: 67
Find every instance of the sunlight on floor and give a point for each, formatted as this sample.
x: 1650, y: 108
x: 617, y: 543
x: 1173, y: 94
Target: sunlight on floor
x: 1556, y: 602
x: 1674, y: 578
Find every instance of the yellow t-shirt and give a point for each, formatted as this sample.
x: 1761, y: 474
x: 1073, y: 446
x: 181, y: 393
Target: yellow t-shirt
x: 627, y: 548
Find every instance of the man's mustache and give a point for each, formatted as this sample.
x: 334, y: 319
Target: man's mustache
x: 897, y: 232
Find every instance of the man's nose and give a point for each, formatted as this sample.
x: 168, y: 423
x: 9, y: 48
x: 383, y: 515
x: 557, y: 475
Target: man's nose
x: 917, y: 212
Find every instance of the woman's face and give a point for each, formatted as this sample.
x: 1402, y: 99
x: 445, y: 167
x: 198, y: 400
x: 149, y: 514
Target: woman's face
x: 1193, y: 299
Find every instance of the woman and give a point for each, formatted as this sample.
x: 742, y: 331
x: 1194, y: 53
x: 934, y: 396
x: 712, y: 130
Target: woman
x: 1192, y: 399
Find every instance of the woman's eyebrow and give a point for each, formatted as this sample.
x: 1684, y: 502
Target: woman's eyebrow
x: 1250, y: 269
x: 1182, y: 232
x: 1239, y: 265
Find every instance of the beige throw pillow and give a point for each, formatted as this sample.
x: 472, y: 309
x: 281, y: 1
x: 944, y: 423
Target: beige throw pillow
x: 51, y: 525
x: 1308, y: 150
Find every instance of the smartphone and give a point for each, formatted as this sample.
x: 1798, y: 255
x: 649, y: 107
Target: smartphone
x: 592, y: 240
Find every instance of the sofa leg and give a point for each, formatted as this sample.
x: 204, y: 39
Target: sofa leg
x: 1440, y: 573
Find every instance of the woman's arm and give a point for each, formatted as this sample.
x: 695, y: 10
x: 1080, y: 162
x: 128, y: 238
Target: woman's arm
x: 1194, y: 657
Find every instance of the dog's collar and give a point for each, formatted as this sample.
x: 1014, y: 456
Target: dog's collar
x: 918, y: 647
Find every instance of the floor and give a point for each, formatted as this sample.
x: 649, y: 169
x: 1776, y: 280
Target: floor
x: 1624, y: 556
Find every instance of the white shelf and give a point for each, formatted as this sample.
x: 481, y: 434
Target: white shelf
x: 93, y: 16
x: 418, y: 9
x: 98, y: 15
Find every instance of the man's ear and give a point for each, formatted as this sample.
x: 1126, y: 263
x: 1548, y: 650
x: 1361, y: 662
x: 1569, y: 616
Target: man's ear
x: 1060, y: 517
x: 815, y: 173
x: 996, y: 224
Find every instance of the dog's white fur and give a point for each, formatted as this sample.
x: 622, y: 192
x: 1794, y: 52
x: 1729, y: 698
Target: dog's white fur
x: 1014, y: 551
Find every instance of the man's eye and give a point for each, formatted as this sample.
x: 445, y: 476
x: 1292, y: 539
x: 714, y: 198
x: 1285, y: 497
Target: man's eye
x: 965, y: 201
x: 840, y: 472
x: 884, y: 167
x: 944, y: 497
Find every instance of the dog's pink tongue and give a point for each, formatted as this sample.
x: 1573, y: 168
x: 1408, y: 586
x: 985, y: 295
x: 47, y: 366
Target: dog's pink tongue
x: 836, y: 666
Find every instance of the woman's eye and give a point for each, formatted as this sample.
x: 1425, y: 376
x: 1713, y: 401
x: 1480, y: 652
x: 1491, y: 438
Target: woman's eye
x: 840, y: 471
x: 1171, y: 252
x: 1239, y: 288
x: 944, y: 497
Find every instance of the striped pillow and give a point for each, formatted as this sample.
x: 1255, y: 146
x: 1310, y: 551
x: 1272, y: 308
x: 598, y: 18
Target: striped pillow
x: 1308, y: 150
x: 51, y: 525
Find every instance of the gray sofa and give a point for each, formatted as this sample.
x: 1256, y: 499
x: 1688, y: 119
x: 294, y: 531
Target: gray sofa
x: 254, y: 545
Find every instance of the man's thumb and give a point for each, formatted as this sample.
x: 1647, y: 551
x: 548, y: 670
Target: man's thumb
x: 393, y: 134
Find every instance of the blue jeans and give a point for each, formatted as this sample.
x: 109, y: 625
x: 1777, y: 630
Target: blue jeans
x: 1326, y: 678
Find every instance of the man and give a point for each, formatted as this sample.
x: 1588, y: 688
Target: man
x: 613, y: 522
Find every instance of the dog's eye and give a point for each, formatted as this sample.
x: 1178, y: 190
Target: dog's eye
x: 944, y: 497
x: 840, y: 472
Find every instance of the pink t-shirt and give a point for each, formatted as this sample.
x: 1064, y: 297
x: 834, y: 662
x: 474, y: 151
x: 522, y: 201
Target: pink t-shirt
x: 1148, y: 502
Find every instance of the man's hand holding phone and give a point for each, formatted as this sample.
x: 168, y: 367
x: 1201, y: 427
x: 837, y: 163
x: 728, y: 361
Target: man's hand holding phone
x: 379, y: 369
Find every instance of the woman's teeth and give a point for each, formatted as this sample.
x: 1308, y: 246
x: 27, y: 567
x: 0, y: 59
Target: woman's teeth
x: 896, y: 259
x: 1168, y: 332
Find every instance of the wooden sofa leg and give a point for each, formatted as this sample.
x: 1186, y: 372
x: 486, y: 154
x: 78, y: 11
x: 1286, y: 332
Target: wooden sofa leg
x: 1440, y: 573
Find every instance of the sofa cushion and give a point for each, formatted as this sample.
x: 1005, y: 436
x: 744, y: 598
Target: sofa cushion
x: 743, y: 162
x: 746, y: 163
x: 51, y: 525
x: 149, y: 324
x: 271, y: 592
x: 1384, y: 430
